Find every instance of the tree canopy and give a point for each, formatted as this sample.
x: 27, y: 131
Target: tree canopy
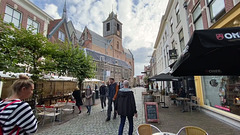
x: 73, y: 61
x: 21, y: 50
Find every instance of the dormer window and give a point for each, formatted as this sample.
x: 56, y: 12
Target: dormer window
x: 61, y: 36
x: 102, y: 58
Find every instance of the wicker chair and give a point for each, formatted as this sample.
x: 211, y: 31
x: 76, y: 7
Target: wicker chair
x: 146, y: 129
x: 192, y: 130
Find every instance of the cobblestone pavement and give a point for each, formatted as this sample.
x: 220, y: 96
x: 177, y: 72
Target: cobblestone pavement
x: 95, y: 124
x: 171, y: 120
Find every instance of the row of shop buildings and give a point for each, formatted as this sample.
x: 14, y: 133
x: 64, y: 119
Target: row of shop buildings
x: 219, y: 95
x: 112, y: 59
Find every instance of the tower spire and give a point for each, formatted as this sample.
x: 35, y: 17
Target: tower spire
x: 112, y: 7
x: 65, y: 10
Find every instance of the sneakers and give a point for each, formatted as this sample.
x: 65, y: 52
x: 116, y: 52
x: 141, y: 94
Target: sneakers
x: 108, y: 119
x: 102, y: 110
x: 80, y: 112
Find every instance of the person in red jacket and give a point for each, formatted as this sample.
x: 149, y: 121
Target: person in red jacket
x: 125, y: 106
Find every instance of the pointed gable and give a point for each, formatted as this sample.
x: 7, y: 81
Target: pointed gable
x: 58, y: 29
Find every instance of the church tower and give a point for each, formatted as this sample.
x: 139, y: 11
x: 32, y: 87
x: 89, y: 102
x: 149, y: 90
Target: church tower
x: 112, y: 26
x: 112, y: 30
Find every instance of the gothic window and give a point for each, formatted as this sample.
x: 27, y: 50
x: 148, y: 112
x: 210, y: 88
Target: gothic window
x: 117, y: 45
x: 108, y: 26
x: 118, y: 27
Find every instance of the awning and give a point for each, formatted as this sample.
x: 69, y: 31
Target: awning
x: 92, y: 80
x: 164, y: 77
x: 210, y: 52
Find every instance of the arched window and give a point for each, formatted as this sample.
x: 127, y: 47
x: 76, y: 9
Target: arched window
x: 117, y: 45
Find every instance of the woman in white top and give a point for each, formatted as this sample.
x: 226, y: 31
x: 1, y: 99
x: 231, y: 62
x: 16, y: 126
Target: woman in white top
x: 16, y: 116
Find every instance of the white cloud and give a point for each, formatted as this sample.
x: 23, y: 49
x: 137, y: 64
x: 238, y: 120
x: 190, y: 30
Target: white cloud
x: 72, y: 10
x: 140, y: 22
x: 52, y: 10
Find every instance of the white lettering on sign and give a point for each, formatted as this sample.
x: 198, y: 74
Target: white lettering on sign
x: 232, y: 35
x: 229, y: 36
x: 215, y: 71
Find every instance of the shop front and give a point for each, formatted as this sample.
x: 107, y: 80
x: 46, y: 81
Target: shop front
x: 216, y: 67
x: 221, y: 94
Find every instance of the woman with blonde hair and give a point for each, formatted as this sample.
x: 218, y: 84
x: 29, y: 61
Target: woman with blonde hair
x: 16, y: 116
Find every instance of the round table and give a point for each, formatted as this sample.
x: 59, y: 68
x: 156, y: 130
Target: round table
x: 164, y: 133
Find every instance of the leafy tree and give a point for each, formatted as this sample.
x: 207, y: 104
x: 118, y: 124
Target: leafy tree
x: 22, y: 50
x: 74, y: 62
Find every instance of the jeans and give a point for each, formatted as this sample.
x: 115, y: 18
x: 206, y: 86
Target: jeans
x: 109, y: 110
x: 89, y: 109
x: 103, y: 101
x: 123, y: 119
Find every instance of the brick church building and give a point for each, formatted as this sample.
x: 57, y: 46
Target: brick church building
x: 113, y: 60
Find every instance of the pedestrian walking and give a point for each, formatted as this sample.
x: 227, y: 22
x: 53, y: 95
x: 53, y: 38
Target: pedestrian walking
x: 88, y: 101
x: 77, y: 97
x: 16, y: 116
x: 96, y: 87
x: 112, y: 94
x: 103, y: 91
x: 126, y: 107
x: 121, y: 84
x: 157, y: 86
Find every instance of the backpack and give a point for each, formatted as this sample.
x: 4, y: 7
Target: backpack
x: 15, y: 128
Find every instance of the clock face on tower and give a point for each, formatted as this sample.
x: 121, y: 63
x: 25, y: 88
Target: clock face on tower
x: 118, y: 33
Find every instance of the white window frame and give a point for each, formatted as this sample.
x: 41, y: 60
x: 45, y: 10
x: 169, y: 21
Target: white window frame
x: 102, y: 58
x: 61, y: 36
x: 197, y: 17
x: 177, y: 10
x: 219, y: 8
x: 171, y: 25
x: 12, y: 16
x: 31, y: 26
x: 181, y: 39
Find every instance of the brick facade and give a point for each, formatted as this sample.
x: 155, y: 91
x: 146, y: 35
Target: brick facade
x: 205, y: 12
x: 25, y: 14
x: 228, y: 5
x: 54, y: 37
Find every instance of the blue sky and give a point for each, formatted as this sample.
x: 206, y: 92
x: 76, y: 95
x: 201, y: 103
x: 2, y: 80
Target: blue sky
x: 140, y: 18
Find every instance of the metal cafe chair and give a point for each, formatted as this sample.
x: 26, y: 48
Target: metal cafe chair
x: 146, y: 129
x: 192, y: 130
x: 47, y: 111
x: 69, y: 107
x: 194, y: 102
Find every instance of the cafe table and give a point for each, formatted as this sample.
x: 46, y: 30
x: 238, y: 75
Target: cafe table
x: 164, y: 133
x: 57, y: 106
x: 158, y: 97
x: 183, y: 100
